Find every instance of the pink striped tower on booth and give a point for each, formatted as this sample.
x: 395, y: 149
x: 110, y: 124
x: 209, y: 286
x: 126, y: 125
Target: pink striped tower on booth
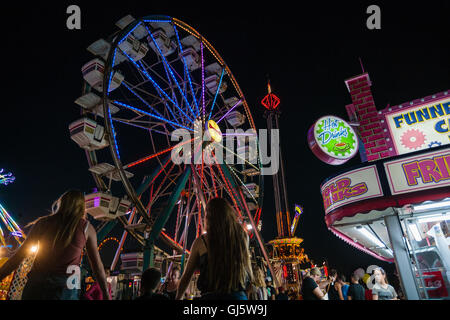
x: 374, y: 138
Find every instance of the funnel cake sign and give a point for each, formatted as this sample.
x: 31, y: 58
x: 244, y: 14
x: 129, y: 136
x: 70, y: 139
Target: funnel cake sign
x: 357, y: 185
x: 332, y: 140
x: 420, y: 127
x: 428, y: 171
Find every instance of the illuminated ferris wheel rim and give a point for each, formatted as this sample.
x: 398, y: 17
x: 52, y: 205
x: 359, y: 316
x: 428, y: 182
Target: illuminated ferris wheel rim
x: 109, y: 128
x: 108, y: 74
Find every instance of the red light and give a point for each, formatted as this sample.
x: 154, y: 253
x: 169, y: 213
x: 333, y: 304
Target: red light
x: 285, y: 271
x: 270, y: 101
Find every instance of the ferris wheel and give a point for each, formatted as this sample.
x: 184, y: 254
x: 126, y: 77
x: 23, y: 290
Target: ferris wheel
x: 152, y: 77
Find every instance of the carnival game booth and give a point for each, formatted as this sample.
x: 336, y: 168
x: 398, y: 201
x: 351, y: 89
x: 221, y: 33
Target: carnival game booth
x: 398, y: 210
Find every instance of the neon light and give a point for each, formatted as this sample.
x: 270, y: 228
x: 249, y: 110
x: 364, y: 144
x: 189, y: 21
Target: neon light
x: 186, y: 69
x: 270, y: 101
x: 217, y: 92
x: 298, y: 212
x: 113, y: 133
x: 154, y: 20
x: 10, y: 224
x: 156, y: 154
x: 227, y: 186
x: 142, y: 69
x: 170, y: 70
x: 237, y: 103
x: 111, y: 74
x: 203, y: 81
x: 7, y: 178
x: 214, y: 131
x: 137, y: 25
x: 176, y: 243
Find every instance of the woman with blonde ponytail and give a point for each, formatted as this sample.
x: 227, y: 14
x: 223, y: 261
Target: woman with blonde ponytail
x: 61, y: 237
x: 222, y: 256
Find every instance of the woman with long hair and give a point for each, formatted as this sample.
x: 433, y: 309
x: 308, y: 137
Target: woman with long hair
x: 222, y: 256
x: 257, y: 289
x: 60, y: 238
x: 382, y: 290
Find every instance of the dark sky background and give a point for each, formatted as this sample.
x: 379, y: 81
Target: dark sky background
x: 308, y: 51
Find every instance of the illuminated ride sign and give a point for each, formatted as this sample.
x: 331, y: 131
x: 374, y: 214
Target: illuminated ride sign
x: 332, y: 140
x: 298, y: 212
x: 419, y: 127
x: 352, y: 186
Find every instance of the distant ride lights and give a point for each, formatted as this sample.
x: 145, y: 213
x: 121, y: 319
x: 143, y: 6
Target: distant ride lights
x: 10, y: 240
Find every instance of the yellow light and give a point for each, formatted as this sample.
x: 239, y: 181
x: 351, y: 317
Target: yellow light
x: 214, y: 131
x: 34, y: 249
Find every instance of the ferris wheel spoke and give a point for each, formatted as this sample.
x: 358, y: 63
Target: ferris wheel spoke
x: 159, y: 191
x: 237, y: 155
x: 162, y: 91
x: 203, y: 82
x: 167, y: 67
x: 150, y: 115
x: 217, y: 93
x: 133, y: 124
x: 231, y: 109
x: 157, y: 87
x: 140, y: 98
x: 132, y: 164
x: 186, y: 70
x: 240, y: 181
x: 227, y: 185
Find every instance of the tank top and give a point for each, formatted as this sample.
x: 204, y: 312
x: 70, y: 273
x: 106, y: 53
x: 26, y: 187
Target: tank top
x: 56, y: 260
x: 202, y: 282
x: 332, y: 292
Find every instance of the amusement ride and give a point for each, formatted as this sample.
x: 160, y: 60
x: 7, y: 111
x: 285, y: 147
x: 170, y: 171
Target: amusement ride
x: 154, y: 81
x: 287, y: 254
x: 11, y: 238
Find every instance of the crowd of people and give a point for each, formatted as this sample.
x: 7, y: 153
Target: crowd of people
x: 221, y: 256
x: 336, y: 287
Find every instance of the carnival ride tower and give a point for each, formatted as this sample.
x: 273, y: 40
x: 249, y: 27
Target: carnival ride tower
x: 286, y: 247
x: 11, y: 238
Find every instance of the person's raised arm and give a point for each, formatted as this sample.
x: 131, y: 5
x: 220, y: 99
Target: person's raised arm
x: 96, y: 262
x: 189, y: 270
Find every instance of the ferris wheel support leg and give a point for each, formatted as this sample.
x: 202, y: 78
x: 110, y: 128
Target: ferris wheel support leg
x: 252, y: 221
x: 103, y: 232
x: 148, y: 254
x: 163, y: 217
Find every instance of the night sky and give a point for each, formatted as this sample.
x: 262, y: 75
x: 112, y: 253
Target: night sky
x: 307, y: 51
